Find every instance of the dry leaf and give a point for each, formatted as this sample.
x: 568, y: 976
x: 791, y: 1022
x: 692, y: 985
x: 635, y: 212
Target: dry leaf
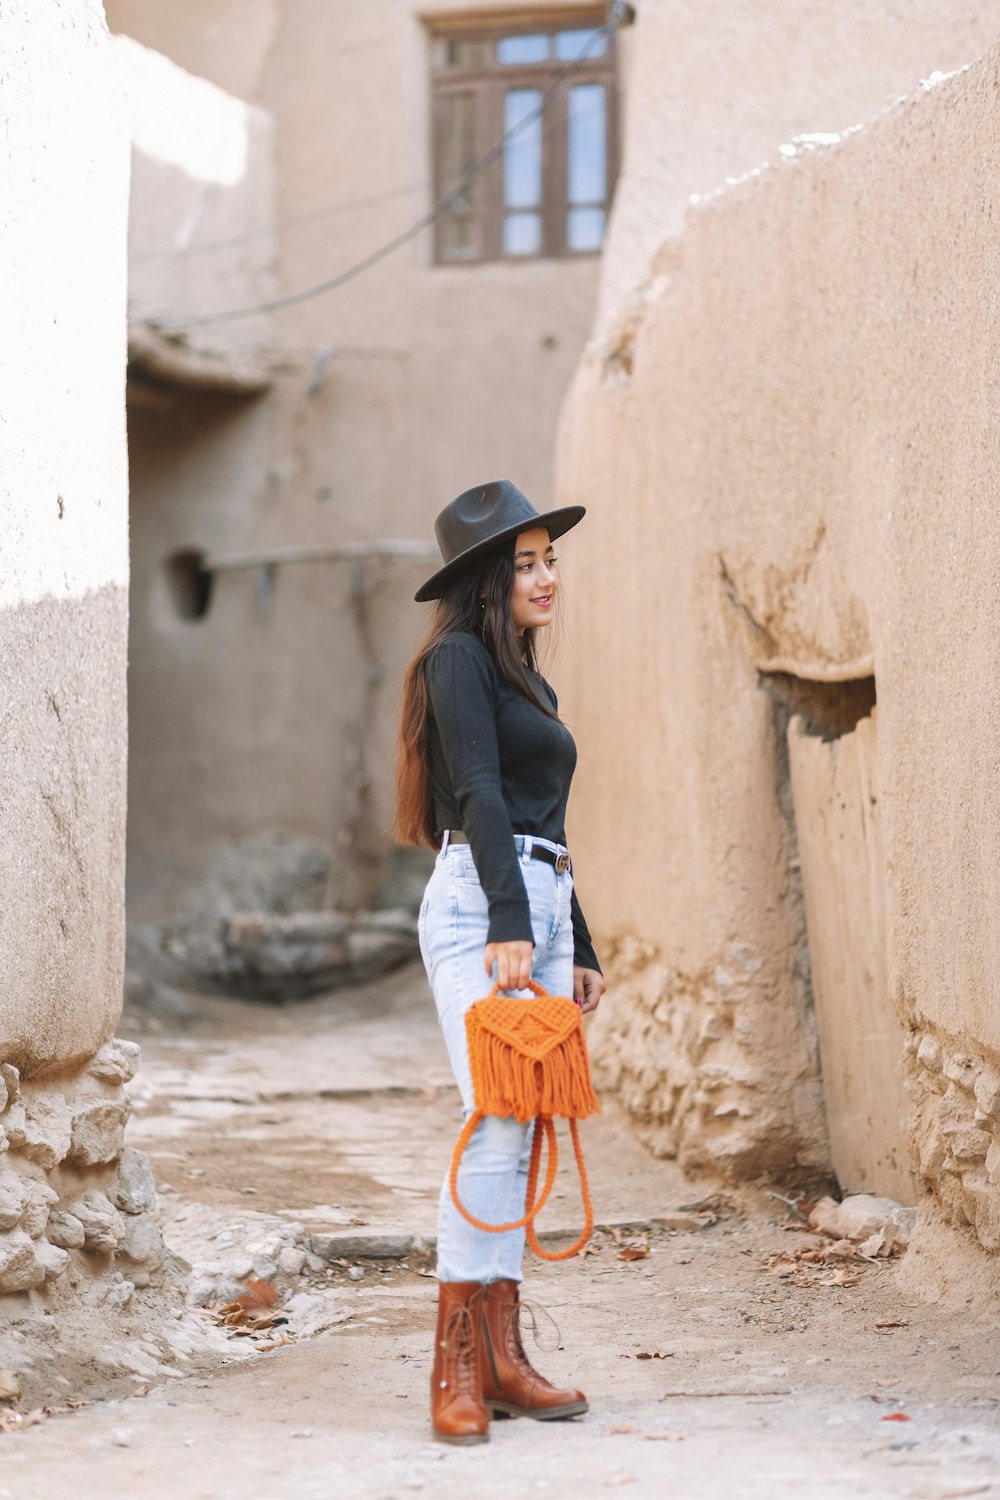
x: 666, y: 1437
x: 895, y: 1416
x: 657, y: 1354
x: 613, y: 1431
x: 893, y: 1323
x: 258, y: 1299
x: 894, y: 1381
x: 615, y: 1234
x: 10, y: 1385
x: 143, y: 1390
x: 283, y: 1338
x: 840, y: 1276
x: 633, y: 1252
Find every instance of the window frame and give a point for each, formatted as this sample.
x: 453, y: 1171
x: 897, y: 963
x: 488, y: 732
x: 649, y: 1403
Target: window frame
x: 488, y: 84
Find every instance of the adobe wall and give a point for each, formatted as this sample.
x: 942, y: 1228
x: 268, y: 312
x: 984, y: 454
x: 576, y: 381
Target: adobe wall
x: 273, y: 716
x: 789, y: 449
x: 63, y: 625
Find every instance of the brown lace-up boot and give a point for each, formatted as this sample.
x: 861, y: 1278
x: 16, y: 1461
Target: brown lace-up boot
x: 509, y: 1383
x: 457, y: 1411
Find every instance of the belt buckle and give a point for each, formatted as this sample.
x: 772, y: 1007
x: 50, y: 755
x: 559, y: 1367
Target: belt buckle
x: 562, y: 863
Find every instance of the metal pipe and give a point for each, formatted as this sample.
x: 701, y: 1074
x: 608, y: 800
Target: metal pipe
x: 225, y: 562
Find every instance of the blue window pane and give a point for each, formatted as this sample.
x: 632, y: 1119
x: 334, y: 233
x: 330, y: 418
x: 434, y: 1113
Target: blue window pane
x: 522, y: 234
x: 584, y: 228
x: 522, y: 49
x: 569, y: 45
x: 522, y: 155
x: 587, y: 159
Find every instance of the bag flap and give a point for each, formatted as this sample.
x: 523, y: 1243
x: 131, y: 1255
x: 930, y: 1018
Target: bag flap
x: 534, y: 1028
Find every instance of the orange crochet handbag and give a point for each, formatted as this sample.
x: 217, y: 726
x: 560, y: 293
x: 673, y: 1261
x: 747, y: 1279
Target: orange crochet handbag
x: 529, y: 1059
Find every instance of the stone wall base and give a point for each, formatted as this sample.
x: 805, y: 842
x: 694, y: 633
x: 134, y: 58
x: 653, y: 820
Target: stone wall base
x: 954, y: 1085
x: 75, y: 1203
x: 698, y: 1063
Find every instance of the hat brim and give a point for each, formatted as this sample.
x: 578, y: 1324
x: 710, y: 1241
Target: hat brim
x: 555, y: 522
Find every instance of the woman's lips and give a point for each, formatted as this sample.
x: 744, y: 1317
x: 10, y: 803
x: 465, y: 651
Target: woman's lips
x: 543, y: 601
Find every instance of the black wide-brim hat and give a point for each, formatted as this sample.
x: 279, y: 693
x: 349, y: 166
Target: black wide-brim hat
x: 480, y: 519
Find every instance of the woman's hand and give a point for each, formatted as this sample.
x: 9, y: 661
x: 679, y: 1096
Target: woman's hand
x: 588, y: 987
x: 513, y: 961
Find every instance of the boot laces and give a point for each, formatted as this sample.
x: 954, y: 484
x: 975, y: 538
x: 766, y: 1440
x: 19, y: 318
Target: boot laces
x: 459, y: 1343
x: 528, y: 1313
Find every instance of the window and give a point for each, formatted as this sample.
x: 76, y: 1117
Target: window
x: 548, y: 190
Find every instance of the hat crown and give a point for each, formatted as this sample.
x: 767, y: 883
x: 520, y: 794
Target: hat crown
x: 482, y: 518
x: 476, y: 515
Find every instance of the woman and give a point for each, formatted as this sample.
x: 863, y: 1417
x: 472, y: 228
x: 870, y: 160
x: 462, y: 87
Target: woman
x: 484, y: 773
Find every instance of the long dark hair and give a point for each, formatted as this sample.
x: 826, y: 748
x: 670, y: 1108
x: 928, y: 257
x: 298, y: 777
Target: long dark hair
x: 477, y: 600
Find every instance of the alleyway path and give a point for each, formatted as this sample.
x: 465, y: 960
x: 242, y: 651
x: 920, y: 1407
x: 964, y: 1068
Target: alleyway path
x: 297, y: 1128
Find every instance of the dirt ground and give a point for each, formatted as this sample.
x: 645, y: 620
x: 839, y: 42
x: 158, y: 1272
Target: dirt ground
x: 307, y: 1144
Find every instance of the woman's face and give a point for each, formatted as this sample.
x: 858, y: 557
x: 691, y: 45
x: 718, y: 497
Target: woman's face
x: 535, y: 583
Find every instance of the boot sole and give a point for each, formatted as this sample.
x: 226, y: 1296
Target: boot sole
x: 553, y: 1414
x: 463, y: 1442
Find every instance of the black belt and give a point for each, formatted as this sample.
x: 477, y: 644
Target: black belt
x: 560, y: 862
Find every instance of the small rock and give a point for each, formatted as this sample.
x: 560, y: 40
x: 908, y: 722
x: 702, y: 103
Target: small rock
x: 116, y: 1062
x: 103, y: 1225
x: 356, y: 1273
x: 929, y: 1053
x: 142, y: 1242
x: 292, y: 1260
x: 311, y: 1312
x: 268, y: 1246
x: 202, y: 1291
x: 265, y: 1267
x: 10, y: 1078
x: 862, y: 1215
x: 20, y: 1267
x: 53, y: 1260
x: 98, y: 1130
x: 10, y: 1385
x: 121, y: 1437
x: 15, y: 1124
x: 136, y: 1191
x: 119, y: 1296
x: 332, y: 1246
x: 11, y: 1198
x: 37, y: 1204
x: 65, y: 1230
x: 47, y: 1128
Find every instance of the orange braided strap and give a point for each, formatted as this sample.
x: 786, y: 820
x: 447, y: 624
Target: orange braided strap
x: 536, y: 1155
x: 588, y: 1207
x: 529, y: 1061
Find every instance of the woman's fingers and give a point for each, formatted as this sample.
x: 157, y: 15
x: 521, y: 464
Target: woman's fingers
x: 513, y: 964
x: 588, y: 987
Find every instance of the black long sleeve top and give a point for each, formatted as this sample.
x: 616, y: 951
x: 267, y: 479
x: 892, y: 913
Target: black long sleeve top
x: 498, y: 766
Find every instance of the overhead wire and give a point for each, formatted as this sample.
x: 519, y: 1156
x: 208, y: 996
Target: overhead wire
x: 332, y: 283
x: 311, y: 216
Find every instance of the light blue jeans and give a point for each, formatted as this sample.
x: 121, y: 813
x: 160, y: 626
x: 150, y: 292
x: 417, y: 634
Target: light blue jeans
x: 493, y: 1177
